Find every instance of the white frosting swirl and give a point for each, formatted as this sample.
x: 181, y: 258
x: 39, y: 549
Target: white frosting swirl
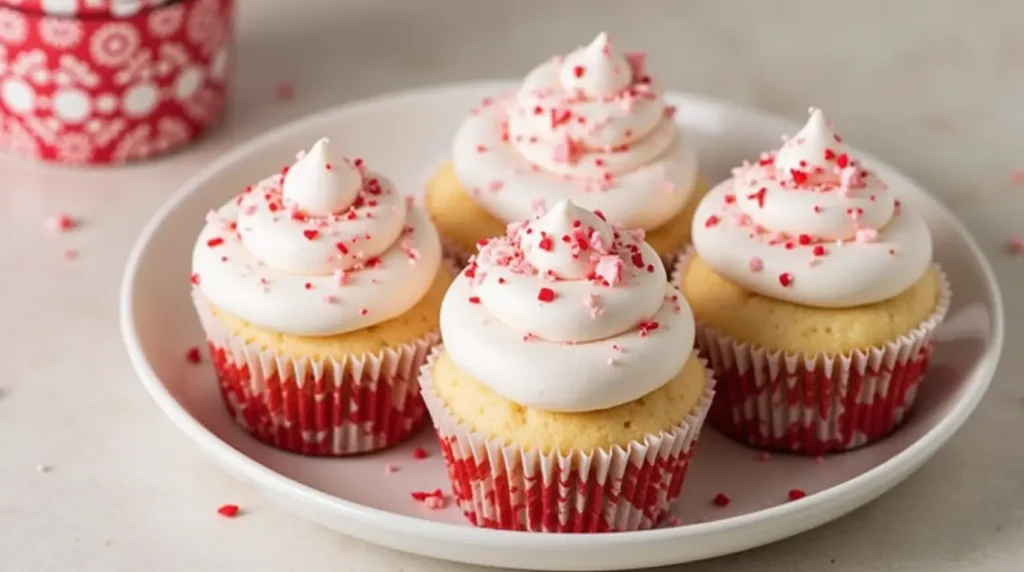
x: 811, y: 225
x: 591, y: 127
x: 567, y: 313
x: 325, y: 248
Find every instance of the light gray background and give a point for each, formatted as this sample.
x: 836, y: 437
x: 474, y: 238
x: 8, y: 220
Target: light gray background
x: 934, y: 86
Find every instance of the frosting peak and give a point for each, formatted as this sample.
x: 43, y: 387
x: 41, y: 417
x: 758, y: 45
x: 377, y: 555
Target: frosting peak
x: 811, y: 225
x: 813, y: 151
x: 320, y: 185
x: 567, y: 242
x: 596, y: 69
x: 576, y: 340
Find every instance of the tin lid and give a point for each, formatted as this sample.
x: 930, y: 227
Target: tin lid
x: 86, y: 8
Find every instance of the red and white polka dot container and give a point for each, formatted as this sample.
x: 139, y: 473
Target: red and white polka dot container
x: 93, y: 82
x: 505, y: 486
x: 816, y: 404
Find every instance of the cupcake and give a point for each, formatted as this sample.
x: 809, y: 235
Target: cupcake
x: 562, y: 398
x: 591, y: 127
x: 319, y: 290
x: 815, y: 295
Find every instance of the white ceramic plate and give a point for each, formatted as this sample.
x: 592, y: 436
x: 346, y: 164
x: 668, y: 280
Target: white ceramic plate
x: 403, y: 135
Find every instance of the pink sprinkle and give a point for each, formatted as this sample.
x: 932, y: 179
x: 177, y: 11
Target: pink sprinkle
x: 764, y: 456
x: 567, y: 150
x: 637, y: 62
x: 674, y: 521
x: 609, y: 269
x: 60, y: 223
x: 285, y: 91
x: 668, y: 187
x: 593, y: 303
x: 495, y: 186
x: 420, y: 453
x: 1017, y: 177
x: 70, y: 254
x: 331, y: 299
x: 538, y: 206
x: 340, y: 277
x: 866, y: 235
x: 527, y: 337
x: 1015, y: 244
x: 435, y: 502
x: 670, y: 111
x: 389, y: 468
x: 756, y: 264
x: 819, y: 459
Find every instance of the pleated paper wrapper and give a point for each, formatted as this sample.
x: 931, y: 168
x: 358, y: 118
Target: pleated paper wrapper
x: 504, y: 486
x: 816, y: 404
x: 322, y: 407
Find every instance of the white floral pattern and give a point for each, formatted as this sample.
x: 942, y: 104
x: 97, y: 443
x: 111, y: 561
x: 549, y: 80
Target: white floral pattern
x: 114, y: 44
x: 61, y: 33
x: 74, y: 148
x: 13, y: 27
x: 166, y: 22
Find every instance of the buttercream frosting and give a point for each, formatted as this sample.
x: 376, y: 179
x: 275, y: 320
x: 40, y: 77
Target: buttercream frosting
x: 810, y: 224
x: 567, y: 313
x: 591, y: 127
x: 323, y: 248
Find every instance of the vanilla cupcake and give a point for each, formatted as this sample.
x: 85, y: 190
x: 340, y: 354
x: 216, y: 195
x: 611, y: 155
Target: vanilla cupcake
x: 591, y: 127
x: 815, y: 295
x: 561, y: 397
x: 319, y: 290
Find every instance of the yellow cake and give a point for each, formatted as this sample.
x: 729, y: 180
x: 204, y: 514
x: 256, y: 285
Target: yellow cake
x: 463, y: 221
x: 777, y: 325
x: 489, y: 413
x: 414, y: 324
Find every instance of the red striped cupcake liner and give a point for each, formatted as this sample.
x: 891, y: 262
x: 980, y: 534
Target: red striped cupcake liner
x: 321, y: 407
x: 816, y: 404
x: 504, y: 486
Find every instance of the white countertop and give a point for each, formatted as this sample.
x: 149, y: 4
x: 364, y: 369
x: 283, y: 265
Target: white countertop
x: 933, y: 86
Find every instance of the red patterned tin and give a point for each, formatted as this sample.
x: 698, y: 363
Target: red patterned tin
x: 93, y: 82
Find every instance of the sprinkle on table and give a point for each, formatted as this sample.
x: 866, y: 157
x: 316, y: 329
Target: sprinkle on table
x: 796, y: 494
x: 228, y: 510
x: 721, y: 500
x: 284, y: 91
x: 193, y: 355
x: 420, y: 453
x: 61, y: 223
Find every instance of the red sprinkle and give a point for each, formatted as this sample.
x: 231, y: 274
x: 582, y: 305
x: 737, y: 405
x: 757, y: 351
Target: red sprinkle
x: 578, y: 71
x: 819, y: 250
x: 195, y: 279
x: 228, y: 510
x: 799, y: 177
x: 215, y: 242
x: 308, y: 285
x: 474, y: 299
x: 420, y: 453
x: 1015, y: 245
x: 193, y: 355
x: 842, y: 161
x: 310, y: 233
x: 546, y: 295
x: 829, y: 154
x: 785, y: 279
x: 721, y: 500
x: 797, y: 494
x: 341, y: 247
x: 61, y: 223
x: 420, y: 496
x: 545, y: 243
x: 804, y: 239
x: 285, y: 91
x: 712, y: 221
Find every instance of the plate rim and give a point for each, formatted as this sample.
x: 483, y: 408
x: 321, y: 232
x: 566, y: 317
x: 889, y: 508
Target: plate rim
x: 866, y: 486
